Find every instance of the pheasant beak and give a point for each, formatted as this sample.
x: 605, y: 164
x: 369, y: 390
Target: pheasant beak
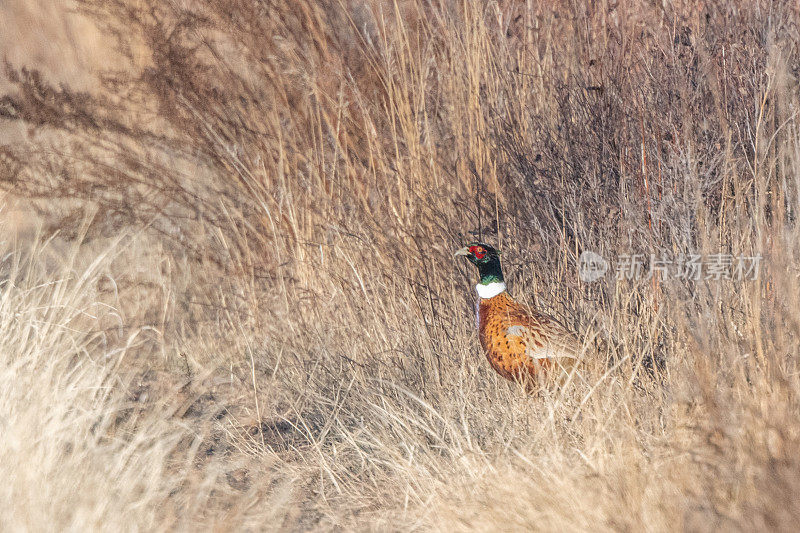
x: 462, y: 251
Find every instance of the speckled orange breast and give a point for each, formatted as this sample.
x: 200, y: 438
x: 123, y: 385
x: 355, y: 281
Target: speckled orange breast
x: 508, y: 353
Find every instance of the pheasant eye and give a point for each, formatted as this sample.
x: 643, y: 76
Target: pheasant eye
x: 478, y: 252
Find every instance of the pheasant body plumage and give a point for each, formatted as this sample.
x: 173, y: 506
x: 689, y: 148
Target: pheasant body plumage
x: 519, y: 342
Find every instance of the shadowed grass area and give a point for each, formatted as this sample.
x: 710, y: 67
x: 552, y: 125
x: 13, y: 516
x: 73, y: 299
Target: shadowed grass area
x: 229, y: 298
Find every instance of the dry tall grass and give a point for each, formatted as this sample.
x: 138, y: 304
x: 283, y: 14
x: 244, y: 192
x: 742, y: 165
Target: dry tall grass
x: 229, y: 301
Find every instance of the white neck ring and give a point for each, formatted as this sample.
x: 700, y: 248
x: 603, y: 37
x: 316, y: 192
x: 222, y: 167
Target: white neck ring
x: 490, y: 290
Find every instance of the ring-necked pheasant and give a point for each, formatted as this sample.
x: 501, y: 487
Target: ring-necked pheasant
x: 519, y: 342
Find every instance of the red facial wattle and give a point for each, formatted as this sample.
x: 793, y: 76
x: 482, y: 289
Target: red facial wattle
x: 477, y: 251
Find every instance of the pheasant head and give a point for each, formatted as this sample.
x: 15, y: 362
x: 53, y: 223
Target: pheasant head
x: 487, y: 260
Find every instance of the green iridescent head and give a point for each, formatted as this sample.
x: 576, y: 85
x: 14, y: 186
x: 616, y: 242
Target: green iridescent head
x: 486, y: 258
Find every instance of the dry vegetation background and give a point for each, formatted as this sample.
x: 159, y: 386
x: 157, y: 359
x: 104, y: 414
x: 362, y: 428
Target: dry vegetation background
x: 228, y: 297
